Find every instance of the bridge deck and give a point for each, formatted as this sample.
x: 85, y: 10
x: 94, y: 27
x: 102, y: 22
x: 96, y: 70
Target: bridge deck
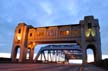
x: 48, y: 67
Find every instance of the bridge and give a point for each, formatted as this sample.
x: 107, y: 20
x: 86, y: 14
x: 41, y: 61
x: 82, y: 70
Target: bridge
x: 86, y: 34
x: 58, y: 53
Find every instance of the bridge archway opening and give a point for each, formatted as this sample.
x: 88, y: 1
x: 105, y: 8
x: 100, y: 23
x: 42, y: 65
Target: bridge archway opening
x: 54, y: 54
x: 37, y: 48
x: 90, y: 53
x: 77, y: 57
x: 28, y: 53
x: 17, y: 53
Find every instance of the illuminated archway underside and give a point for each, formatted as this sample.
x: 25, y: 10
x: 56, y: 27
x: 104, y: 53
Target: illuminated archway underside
x: 27, y: 37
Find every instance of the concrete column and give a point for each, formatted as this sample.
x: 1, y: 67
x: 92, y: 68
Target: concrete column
x: 31, y: 54
x: 97, y: 55
x: 13, y: 55
x: 23, y: 53
x: 84, y: 57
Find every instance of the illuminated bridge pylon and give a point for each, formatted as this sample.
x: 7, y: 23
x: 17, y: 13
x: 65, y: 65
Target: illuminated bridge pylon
x: 58, y: 53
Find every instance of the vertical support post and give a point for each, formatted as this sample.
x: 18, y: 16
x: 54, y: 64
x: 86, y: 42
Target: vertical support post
x: 55, y: 55
x: 31, y: 54
x: 50, y: 56
x: 41, y: 56
x: 44, y: 56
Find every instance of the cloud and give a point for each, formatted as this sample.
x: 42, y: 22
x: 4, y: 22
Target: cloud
x: 57, y: 12
x: 47, y: 7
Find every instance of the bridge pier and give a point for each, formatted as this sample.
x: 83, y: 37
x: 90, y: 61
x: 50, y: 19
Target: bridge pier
x: 22, y: 53
x: 31, y: 54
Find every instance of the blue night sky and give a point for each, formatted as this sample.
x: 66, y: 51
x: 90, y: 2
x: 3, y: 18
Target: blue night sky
x: 48, y: 13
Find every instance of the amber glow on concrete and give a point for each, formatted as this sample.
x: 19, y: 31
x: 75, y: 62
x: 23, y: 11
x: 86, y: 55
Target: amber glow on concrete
x: 67, y: 32
x: 18, y: 37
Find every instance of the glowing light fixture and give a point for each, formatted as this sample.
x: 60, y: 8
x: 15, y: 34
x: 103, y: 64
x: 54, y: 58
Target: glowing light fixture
x: 18, y: 37
x: 90, y: 31
x: 93, y: 32
x: 87, y: 33
x: 33, y: 43
x: 67, y: 32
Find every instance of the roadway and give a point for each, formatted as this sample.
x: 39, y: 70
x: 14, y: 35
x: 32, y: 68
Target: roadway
x: 48, y: 67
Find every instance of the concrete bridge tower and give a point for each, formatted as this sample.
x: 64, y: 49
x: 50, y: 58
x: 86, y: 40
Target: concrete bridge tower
x: 20, y: 42
x: 90, y: 39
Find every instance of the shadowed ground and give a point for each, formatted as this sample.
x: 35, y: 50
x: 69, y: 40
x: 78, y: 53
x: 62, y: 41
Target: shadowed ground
x: 48, y: 67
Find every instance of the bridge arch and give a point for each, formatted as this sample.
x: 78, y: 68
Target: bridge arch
x: 32, y: 46
x: 92, y: 47
x: 59, y: 53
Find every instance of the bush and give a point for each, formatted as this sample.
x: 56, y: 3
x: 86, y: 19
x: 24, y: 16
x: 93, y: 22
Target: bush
x: 102, y: 63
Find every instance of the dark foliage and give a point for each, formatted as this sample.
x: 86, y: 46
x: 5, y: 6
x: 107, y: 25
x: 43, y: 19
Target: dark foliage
x: 102, y: 63
x: 5, y: 60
